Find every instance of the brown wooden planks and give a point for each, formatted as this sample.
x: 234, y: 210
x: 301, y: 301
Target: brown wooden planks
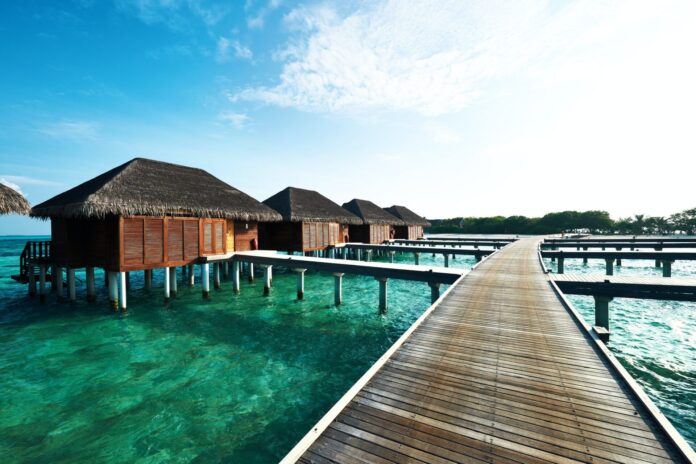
x: 498, y: 372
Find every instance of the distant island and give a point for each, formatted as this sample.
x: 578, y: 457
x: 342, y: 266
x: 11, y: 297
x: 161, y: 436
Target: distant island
x: 595, y: 222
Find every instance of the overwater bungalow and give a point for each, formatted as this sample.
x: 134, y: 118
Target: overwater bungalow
x: 377, y: 224
x: 148, y: 214
x: 311, y: 222
x: 12, y: 202
x: 412, y: 229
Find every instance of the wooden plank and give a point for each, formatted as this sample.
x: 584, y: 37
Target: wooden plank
x: 498, y: 371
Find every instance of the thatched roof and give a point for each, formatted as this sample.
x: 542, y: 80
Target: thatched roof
x: 370, y: 213
x: 408, y: 216
x: 155, y: 188
x: 12, y: 201
x: 300, y: 205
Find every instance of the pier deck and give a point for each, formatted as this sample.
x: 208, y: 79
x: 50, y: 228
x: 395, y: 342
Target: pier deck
x: 498, y: 370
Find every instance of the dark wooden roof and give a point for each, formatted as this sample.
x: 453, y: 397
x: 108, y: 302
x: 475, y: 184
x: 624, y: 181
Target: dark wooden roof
x: 155, y: 188
x: 300, y: 205
x: 408, y: 216
x: 12, y: 201
x: 370, y: 213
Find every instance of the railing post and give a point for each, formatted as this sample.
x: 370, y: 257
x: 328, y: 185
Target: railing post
x: 338, y: 288
x: 610, y: 266
x: 173, y: 284
x: 267, y: 279
x: 667, y: 268
x: 434, y: 291
x: 300, y: 282
x: 235, y: 276
x: 167, y: 286
x: 205, y: 278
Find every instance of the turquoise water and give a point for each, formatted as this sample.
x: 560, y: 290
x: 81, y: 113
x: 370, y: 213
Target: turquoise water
x: 654, y: 340
x: 233, y: 379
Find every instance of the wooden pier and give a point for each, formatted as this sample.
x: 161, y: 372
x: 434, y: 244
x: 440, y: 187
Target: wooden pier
x: 649, y: 288
x: 453, y: 243
x: 478, y: 253
x: 500, y: 369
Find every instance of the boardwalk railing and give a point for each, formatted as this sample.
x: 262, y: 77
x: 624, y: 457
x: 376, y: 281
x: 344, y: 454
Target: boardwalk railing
x: 33, y: 250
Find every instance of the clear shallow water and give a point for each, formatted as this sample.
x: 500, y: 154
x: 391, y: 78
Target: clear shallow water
x: 654, y: 340
x: 233, y: 379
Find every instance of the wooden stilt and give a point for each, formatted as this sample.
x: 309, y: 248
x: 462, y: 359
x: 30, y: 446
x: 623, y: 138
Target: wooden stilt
x: 91, y: 292
x: 205, y: 278
x: 216, y: 276
x: 113, y: 290
x: 42, y: 283
x: 123, y: 290
x: 300, y: 282
x: 173, y: 284
x: 338, y: 288
x: 235, y: 276
x: 71, y: 284
x: 167, y: 284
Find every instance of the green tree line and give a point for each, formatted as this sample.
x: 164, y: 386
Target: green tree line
x: 595, y: 222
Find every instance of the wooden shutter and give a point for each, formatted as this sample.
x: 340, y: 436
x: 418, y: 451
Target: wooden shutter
x: 133, y: 241
x: 154, y: 240
x: 175, y: 240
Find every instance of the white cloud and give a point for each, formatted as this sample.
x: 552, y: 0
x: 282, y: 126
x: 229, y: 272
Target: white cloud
x: 436, y: 57
x: 226, y: 46
x: 71, y: 130
x: 24, y: 180
x: 236, y: 120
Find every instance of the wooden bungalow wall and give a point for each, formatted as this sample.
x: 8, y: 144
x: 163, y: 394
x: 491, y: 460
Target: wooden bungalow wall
x: 373, y: 234
x: 305, y: 236
x: 246, y: 234
x: 408, y: 232
x: 136, y: 243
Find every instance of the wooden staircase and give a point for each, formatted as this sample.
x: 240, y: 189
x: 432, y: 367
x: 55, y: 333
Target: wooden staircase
x: 34, y: 251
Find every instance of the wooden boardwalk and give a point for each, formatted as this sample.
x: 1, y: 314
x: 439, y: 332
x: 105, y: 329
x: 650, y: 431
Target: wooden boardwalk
x: 654, y: 288
x: 497, y: 371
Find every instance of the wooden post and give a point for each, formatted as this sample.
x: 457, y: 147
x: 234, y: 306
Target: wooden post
x: 658, y: 263
x: 434, y: 291
x: 610, y: 266
x: 602, y: 316
x: 89, y: 276
x: 560, y: 264
x: 59, y: 281
x: 267, y: 270
x: 416, y: 257
x: 446, y: 260
x: 382, y: 293
x: 42, y: 282
x: 191, y: 275
x: 113, y: 290
x: 167, y: 284
x: 618, y: 261
x: 338, y: 288
x: 32, y: 280
x: 391, y: 256
x: 667, y: 268
x: 128, y: 281
x: 148, y: 279
x: 479, y: 256
x: 205, y: 278
x: 173, y: 284
x: 251, y: 272
x: 71, y: 283
x: 300, y: 282
x: 216, y: 276
x: 235, y: 276
x: 369, y: 255
x: 54, y: 276
x: 226, y: 270
x: 122, y: 280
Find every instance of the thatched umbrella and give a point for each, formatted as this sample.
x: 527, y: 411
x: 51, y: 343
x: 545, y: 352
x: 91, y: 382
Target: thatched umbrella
x: 370, y: 213
x: 301, y: 205
x: 155, y: 188
x: 408, y: 216
x: 12, y: 201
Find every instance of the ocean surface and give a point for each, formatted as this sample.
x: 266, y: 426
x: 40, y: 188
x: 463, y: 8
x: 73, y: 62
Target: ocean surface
x: 241, y: 378
x: 237, y: 378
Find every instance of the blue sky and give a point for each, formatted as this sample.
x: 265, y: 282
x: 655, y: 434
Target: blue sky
x: 450, y: 107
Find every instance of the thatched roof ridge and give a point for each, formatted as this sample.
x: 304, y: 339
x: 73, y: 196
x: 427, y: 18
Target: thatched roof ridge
x: 155, y: 188
x: 301, y: 205
x: 370, y: 213
x: 408, y: 216
x: 12, y: 201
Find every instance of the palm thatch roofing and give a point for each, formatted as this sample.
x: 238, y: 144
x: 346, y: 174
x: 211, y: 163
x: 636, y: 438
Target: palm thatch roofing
x: 155, y: 188
x: 12, y: 201
x: 408, y: 216
x: 300, y: 205
x: 370, y: 213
